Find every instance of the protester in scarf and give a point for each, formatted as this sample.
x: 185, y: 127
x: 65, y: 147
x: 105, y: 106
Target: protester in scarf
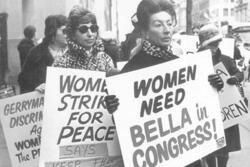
x: 85, y: 48
x: 156, y: 21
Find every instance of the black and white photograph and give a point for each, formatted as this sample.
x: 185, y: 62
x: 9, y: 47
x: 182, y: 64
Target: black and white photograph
x: 124, y: 83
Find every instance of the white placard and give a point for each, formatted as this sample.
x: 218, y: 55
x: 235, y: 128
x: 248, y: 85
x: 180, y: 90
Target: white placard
x: 189, y: 43
x: 233, y: 107
x: 21, y: 119
x: 169, y: 115
x: 77, y: 129
x: 227, y: 47
x: 121, y: 64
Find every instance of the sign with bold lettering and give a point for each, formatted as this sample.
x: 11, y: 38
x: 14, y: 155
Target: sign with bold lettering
x: 169, y: 115
x: 21, y: 119
x: 77, y: 128
x: 233, y: 107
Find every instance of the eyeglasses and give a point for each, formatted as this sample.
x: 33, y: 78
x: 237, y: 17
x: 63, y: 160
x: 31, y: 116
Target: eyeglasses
x: 93, y: 28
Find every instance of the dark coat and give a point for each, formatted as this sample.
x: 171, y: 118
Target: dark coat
x: 24, y: 47
x: 34, y: 69
x: 232, y: 134
x: 142, y: 60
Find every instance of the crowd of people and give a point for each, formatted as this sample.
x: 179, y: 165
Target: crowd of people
x: 75, y: 42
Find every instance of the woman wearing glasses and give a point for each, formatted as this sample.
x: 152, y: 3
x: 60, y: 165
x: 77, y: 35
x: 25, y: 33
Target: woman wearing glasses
x: 53, y: 45
x: 85, y: 49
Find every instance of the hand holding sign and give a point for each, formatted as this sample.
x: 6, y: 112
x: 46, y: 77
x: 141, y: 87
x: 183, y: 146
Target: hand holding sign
x: 232, y: 81
x: 216, y: 81
x: 163, y: 119
x: 233, y: 108
x: 112, y: 103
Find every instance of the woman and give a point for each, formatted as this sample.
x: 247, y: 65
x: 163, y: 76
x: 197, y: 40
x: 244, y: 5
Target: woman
x: 156, y: 20
x: 27, y: 43
x: 210, y: 38
x: 85, y: 49
x: 53, y: 45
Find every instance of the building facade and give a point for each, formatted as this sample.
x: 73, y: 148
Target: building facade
x: 214, y: 11
x: 29, y: 12
x: 242, y: 12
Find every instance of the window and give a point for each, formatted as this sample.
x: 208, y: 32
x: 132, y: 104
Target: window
x: 232, y: 12
x: 225, y: 12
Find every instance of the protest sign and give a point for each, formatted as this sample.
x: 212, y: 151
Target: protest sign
x: 21, y: 119
x: 189, y: 44
x: 233, y: 107
x: 227, y: 47
x: 77, y: 128
x: 121, y: 64
x: 169, y: 115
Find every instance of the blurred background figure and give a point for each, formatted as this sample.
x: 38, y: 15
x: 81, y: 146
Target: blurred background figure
x: 133, y: 42
x: 195, y: 30
x: 111, y: 46
x: 210, y: 37
x: 53, y: 45
x: 27, y: 43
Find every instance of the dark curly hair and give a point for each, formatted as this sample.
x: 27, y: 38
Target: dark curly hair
x: 147, y: 8
x: 78, y: 15
x: 29, y: 31
x: 52, y: 23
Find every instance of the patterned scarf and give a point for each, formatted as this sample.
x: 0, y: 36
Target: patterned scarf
x: 81, y: 57
x: 157, y: 51
x: 78, y: 50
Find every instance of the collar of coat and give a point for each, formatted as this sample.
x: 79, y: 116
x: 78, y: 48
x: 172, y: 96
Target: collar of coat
x: 79, y: 51
x: 156, y: 51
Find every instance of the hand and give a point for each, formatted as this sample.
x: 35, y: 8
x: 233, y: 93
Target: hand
x: 216, y: 81
x: 232, y: 81
x: 112, y: 103
x: 41, y: 88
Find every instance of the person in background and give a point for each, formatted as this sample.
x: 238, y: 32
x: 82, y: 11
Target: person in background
x: 85, y: 48
x: 210, y: 38
x: 53, y: 45
x: 111, y: 46
x: 27, y: 43
x: 195, y: 30
x: 156, y: 20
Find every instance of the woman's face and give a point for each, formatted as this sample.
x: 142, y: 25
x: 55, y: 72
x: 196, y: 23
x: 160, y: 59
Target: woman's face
x: 160, y: 29
x: 86, y: 34
x: 60, y: 37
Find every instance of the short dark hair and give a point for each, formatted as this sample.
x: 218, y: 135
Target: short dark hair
x: 146, y: 8
x: 29, y: 31
x: 78, y: 15
x: 52, y: 23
